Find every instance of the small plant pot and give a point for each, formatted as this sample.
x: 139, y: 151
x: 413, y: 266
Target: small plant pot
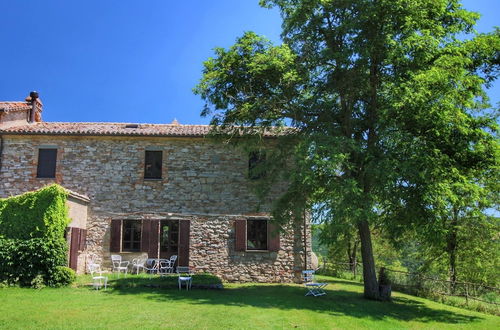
x: 385, y: 292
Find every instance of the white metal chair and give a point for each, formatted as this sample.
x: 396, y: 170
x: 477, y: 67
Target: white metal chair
x: 167, y: 266
x: 119, y: 265
x: 98, y: 280
x: 140, y: 263
x: 184, y: 277
x: 313, y: 288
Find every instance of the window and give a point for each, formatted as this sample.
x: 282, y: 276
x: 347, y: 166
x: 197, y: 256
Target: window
x: 152, y: 167
x: 256, y: 169
x: 131, y: 235
x: 256, y: 235
x: 46, y: 163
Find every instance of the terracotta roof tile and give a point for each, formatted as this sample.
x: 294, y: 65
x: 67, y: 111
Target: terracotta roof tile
x: 122, y: 129
x: 14, y: 106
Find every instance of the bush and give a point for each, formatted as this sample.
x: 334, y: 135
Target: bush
x: 63, y: 276
x: 32, y: 243
x: 22, y: 260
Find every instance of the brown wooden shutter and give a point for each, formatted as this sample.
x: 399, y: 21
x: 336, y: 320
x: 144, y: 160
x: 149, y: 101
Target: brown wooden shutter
x: 184, y: 228
x: 153, y: 238
x: 145, y: 234
x: 73, y: 249
x: 82, y: 239
x: 115, y: 242
x: 273, y: 237
x: 240, y: 235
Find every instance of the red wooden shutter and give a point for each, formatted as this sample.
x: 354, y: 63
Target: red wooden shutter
x: 83, y: 239
x: 73, y: 249
x: 273, y: 236
x: 153, y: 238
x: 240, y: 235
x: 184, y: 228
x: 145, y: 234
x: 115, y: 242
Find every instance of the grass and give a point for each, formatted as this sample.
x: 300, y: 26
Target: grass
x: 238, y: 306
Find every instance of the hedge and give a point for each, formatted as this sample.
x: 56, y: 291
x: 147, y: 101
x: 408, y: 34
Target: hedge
x: 32, y: 242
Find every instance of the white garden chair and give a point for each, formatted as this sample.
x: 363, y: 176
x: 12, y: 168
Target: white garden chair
x: 313, y: 288
x: 140, y: 263
x: 184, y: 277
x: 119, y: 265
x: 167, y: 266
x: 98, y: 280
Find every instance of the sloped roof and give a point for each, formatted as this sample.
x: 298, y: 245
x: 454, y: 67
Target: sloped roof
x: 123, y: 129
x: 14, y: 106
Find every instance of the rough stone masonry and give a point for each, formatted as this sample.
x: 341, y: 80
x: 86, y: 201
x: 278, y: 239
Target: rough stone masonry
x: 203, y: 181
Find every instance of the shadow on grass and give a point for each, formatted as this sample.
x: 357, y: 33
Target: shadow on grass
x: 291, y: 297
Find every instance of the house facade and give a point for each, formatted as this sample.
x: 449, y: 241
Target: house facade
x: 151, y: 188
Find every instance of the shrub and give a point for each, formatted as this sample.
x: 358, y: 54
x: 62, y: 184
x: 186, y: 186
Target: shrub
x: 32, y: 243
x: 62, y: 276
x: 22, y: 260
x: 38, y: 282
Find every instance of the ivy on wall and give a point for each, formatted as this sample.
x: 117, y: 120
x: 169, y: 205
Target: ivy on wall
x: 32, y: 243
x: 37, y: 214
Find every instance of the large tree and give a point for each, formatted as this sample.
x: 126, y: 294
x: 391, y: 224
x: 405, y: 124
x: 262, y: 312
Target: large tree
x: 362, y: 81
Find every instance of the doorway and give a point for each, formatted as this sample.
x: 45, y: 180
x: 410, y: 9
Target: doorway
x: 169, y: 238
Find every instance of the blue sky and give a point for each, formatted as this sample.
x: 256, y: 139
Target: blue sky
x: 129, y: 60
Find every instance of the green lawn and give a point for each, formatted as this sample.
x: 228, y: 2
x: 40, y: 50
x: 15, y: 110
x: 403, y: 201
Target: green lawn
x: 238, y: 306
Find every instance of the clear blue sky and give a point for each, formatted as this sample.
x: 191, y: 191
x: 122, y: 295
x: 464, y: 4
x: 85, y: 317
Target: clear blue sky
x: 129, y: 60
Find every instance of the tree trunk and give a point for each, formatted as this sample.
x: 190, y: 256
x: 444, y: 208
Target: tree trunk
x: 371, y: 290
x: 452, y: 250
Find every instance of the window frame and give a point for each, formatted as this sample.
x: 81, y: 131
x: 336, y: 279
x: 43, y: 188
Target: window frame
x: 265, y: 234
x: 131, y: 241
x: 256, y: 159
x: 160, y: 162
x: 53, y: 170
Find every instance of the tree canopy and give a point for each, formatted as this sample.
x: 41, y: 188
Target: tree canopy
x: 387, y: 96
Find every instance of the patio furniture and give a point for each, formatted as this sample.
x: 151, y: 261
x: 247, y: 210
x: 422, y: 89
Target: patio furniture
x: 167, y: 266
x: 98, y: 280
x: 118, y: 264
x: 184, y: 276
x: 313, y: 288
x: 140, y: 263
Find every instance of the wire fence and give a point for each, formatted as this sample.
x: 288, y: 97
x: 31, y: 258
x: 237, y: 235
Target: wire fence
x: 476, y: 296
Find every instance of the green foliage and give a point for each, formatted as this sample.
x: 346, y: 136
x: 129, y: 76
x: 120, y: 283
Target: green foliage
x: 32, y: 243
x: 22, y: 260
x: 395, y: 128
x: 37, y: 214
x: 63, y: 276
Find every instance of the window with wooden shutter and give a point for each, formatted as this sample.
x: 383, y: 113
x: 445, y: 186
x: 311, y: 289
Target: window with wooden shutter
x: 116, y: 236
x: 153, y: 164
x: 46, y: 167
x: 184, y: 234
x: 240, y: 235
x: 256, y: 234
x: 145, y: 234
x: 273, y: 237
x: 154, y: 246
x: 131, y: 235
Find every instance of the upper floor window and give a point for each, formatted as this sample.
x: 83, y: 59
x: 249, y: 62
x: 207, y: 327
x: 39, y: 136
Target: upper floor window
x: 131, y: 235
x: 256, y: 166
x: 47, y: 158
x: 152, y: 164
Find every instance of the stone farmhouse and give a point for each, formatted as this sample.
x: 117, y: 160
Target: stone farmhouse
x: 160, y: 189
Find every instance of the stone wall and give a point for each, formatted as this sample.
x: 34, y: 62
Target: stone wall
x: 202, y: 180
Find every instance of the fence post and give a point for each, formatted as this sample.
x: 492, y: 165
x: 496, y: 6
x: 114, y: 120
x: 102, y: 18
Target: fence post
x: 466, y: 294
